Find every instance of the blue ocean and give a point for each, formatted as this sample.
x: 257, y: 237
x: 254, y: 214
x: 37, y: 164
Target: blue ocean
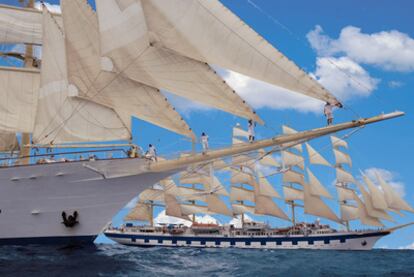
x: 118, y: 260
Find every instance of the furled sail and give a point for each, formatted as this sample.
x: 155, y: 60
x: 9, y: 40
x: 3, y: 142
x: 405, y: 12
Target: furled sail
x: 207, y: 31
x: 8, y: 142
x: 61, y: 117
x: 18, y: 92
x: 141, y: 212
x: 129, y: 41
x: 315, y: 206
x: 316, y: 188
x: 315, y: 157
x: 394, y: 201
x: 266, y: 206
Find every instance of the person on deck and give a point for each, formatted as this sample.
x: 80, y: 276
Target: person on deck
x: 250, y: 130
x: 204, y: 142
x: 327, y: 110
x: 151, y: 153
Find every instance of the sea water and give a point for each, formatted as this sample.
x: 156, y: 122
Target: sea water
x: 118, y: 260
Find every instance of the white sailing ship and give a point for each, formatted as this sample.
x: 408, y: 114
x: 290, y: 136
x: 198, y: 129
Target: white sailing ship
x: 99, y: 69
x: 252, y: 193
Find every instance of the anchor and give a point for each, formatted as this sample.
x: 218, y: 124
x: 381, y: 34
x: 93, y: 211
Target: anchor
x: 71, y: 220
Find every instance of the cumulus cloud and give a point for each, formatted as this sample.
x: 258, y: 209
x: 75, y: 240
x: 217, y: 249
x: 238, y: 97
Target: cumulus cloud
x: 389, y: 50
x: 344, y: 77
x: 162, y: 218
x: 395, y: 84
x: 388, y: 176
x: 236, y: 221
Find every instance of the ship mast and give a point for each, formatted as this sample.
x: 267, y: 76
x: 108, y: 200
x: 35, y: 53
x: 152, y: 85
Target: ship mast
x: 28, y: 63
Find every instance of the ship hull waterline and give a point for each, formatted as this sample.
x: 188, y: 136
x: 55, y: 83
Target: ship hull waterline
x: 341, y: 241
x: 32, y: 199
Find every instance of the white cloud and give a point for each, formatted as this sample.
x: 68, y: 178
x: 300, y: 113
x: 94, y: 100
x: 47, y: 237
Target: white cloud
x: 395, y: 84
x: 407, y: 247
x: 344, y: 77
x: 51, y: 7
x: 263, y: 95
x: 388, y: 176
x: 162, y: 218
x: 389, y: 50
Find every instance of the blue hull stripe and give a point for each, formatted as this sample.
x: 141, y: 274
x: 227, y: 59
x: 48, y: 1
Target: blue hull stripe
x: 77, y: 240
x: 247, y: 240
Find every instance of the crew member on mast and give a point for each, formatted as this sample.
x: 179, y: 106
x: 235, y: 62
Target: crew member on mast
x: 151, y: 153
x: 327, y: 110
x: 250, y: 130
x: 204, y: 142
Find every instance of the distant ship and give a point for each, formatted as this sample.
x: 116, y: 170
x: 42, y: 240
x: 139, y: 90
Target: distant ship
x: 98, y: 69
x: 252, y: 193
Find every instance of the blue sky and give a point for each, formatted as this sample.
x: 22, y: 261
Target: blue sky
x: 372, y: 41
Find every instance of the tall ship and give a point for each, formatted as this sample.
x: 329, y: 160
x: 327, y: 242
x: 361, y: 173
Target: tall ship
x: 251, y: 193
x: 62, y: 177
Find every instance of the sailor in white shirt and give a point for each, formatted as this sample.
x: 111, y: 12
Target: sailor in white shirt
x: 204, y: 142
x: 328, y: 112
x: 250, y: 130
x: 151, y: 153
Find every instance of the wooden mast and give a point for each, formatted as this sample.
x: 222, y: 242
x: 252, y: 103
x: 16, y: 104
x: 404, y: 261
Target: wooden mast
x: 28, y: 63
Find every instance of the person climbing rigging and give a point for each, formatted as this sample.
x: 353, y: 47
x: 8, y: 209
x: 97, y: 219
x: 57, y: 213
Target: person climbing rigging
x: 204, y: 142
x: 250, y: 130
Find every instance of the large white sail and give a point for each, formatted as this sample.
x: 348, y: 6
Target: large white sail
x: 291, y: 176
x: 18, y: 92
x: 266, y: 159
x: 337, y: 142
x: 241, y: 194
x: 151, y: 194
x: 290, y: 131
x: 363, y: 215
x: 242, y: 209
x: 60, y: 117
x: 266, y: 206
x: 8, y: 142
x: 207, y: 31
x: 141, y: 212
x: 316, y: 188
x: 131, y: 45
x: 315, y: 206
x: 315, y: 157
x: 369, y: 205
x: 290, y: 159
x: 349, y: 212
x: 292, y: 194
x: 344, y: 177
x: 377, y: 196
x: 342, y: 158
x: 265, y: 188
x: 217, y: 206
x: 344, y: 193
x: 394, y: 201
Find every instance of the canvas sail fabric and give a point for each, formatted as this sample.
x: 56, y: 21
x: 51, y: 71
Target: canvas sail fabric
x: 394, y: 201
x: 344, y: 177
x: 239, y: 132
x: 369, y: 205
x: 60, y: 117
x: 290, y: 131
x: 266, y: 159
x: 316, y: 188
x: 241, y: 194
x: 344, y: 193
x: 342, y: 158
x: 363, y: 215
x: 8, y: 142
x: 240, y: 177
x: 132, y: 46
x: 265, y: 188
x: 189, y: 209
x: 242, y: 209
x: 18, y: 92
x: 337, y: 142
x: 315, y: 206
x: 141, y: 212
x: 172, y: 207
x: 292, y: 194
x: 217, y: 206
x: 348, y: 212
x: 266, y: 206
x: 206, y: 31
x: 151, y: 195
x: 191, y: 194
x: 290, y: 159
x: 376, y: 195
x: 315, y: 157
x: 291, y: 176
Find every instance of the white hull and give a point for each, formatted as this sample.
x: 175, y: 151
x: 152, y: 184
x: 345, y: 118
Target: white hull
x: 33, y: 197
x: 335, y: 241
